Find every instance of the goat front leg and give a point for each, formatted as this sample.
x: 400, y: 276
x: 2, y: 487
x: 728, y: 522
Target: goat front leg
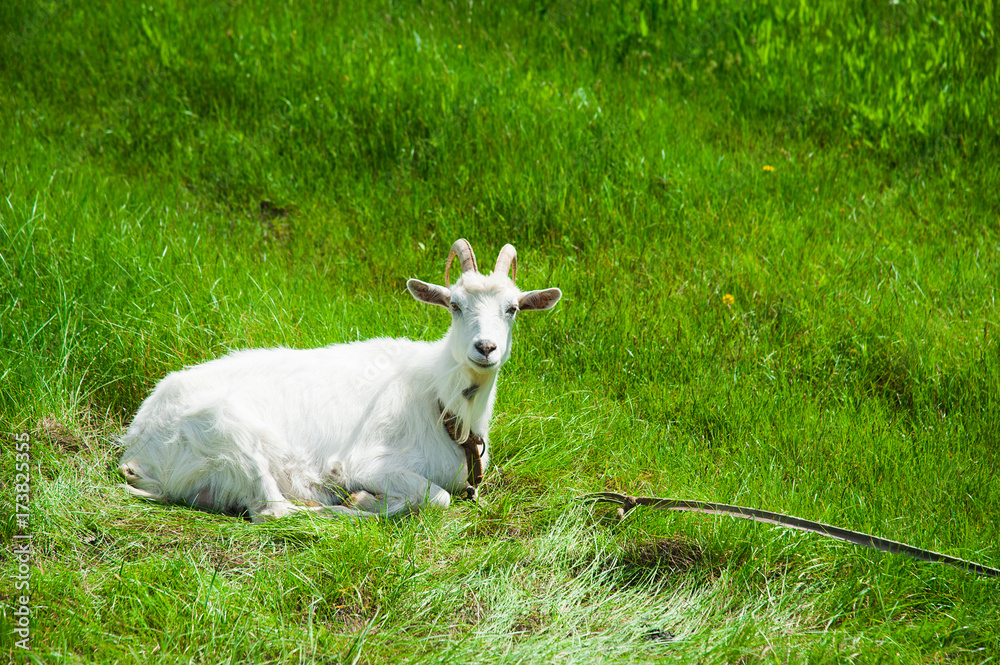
x: 399, y: 492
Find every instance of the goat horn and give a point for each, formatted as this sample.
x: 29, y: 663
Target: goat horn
x: 463, y: 250
x: 507, y: 261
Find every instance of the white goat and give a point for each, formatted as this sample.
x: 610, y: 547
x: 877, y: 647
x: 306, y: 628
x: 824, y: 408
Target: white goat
x: 375, y: 427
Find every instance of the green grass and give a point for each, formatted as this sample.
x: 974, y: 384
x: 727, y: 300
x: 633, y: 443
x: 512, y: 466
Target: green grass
x: 181, y: 179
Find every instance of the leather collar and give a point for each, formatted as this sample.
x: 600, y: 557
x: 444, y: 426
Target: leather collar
x: 471, y: 446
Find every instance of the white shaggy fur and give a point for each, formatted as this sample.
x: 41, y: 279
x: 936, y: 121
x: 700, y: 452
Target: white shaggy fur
x: 349, y: 429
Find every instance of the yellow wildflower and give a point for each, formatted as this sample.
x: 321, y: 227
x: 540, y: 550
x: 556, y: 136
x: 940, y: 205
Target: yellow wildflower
x: 728, y: 299
x: 768, y: 168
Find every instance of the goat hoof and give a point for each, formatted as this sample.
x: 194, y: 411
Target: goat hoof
x: 471, y: 493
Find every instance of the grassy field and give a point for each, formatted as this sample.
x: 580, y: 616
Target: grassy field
x: 776, y: 230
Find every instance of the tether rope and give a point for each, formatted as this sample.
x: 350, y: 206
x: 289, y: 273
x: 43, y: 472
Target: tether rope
x: 627, y: 503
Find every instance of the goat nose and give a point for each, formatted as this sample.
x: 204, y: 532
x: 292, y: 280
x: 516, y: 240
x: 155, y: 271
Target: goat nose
x: 485, y: 348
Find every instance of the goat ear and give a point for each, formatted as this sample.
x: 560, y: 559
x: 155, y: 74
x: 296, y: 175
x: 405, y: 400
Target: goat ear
x: 539, y: 300
x: 432, y: 294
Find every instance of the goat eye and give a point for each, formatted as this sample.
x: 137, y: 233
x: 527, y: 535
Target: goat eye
x: 512, y: 310
x: 455, y: 307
